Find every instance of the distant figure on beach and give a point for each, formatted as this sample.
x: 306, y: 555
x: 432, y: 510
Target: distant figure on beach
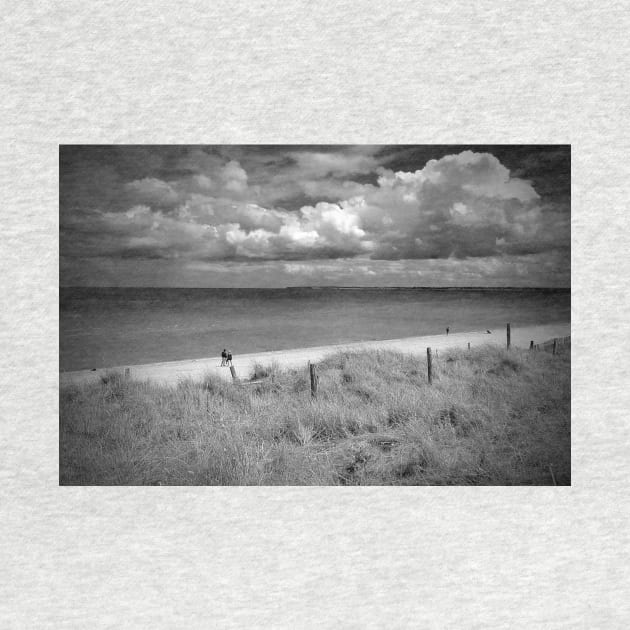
x: 229, y: 358
x: 447, y: 329
x: 223, y: 358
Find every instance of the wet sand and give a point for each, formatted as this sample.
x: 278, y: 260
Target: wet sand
x: 173, y: 371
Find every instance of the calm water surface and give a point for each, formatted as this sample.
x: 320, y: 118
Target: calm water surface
x: 102, y: 327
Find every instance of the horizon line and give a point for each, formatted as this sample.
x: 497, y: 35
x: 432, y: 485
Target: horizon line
x: 315, y: 286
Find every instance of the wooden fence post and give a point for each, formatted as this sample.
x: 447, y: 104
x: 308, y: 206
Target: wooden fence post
x: 555, y: 346
x: 508, y: 336
x: 429, y: 366
x: 233, y: 372
x: 127, y: 372
x: 469, y: 345
x: 531, y: 344
x: 314, y: 378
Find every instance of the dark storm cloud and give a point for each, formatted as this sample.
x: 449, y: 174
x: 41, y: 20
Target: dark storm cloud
x: 276, y: 203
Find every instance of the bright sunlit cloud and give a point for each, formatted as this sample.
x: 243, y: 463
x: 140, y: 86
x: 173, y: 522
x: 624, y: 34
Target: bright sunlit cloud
x: 299, y: 209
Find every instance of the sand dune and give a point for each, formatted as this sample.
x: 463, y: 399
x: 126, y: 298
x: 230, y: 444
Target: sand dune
x: 173, y: 371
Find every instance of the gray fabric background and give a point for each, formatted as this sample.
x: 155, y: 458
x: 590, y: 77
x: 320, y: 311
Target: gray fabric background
x: 291, y: 72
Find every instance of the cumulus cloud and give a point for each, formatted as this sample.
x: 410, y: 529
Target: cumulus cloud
x: 456, y: 206
x: 319, y: 164
x: 210, y: 208
x: 234, y: 177
x: 151, y: 191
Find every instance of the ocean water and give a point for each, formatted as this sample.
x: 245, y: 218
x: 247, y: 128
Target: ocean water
x: 104, y: 327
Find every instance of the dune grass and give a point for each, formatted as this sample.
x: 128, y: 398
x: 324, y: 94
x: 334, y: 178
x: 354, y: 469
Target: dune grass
x: 491, y: 416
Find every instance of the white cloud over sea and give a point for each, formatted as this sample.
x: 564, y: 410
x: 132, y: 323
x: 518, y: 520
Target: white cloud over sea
x: 300, y: 210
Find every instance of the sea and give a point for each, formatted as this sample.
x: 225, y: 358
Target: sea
x: 106, y: 327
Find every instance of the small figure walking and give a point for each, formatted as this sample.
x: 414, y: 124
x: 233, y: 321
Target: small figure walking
x: 447, y: 329
x: 224, y: 358
x: 229, y: 358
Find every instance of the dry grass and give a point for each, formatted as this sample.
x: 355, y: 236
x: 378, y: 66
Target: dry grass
x: 490, y: 417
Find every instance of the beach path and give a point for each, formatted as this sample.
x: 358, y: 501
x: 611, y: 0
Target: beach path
x: 173, y: 371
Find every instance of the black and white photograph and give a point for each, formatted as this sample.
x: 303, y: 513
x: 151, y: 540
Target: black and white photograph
x: 315, y: 315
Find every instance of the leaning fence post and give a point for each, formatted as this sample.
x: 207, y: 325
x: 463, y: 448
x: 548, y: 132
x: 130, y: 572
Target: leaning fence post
x: 233, y: 372
x: 508, y: 336
x: 429, y: 366
x: 531, y: 344
x: 314, y: 378
x: 555, y: 346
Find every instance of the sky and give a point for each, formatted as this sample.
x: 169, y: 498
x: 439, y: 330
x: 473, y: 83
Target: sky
x: 276, y: 216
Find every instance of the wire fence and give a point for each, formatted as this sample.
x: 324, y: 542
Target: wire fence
x: 551, y: 345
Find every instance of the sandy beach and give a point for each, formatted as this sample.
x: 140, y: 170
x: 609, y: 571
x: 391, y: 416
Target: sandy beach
x: 173, y: 371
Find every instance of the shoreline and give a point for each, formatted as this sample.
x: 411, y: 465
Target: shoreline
x: 170, y: 372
